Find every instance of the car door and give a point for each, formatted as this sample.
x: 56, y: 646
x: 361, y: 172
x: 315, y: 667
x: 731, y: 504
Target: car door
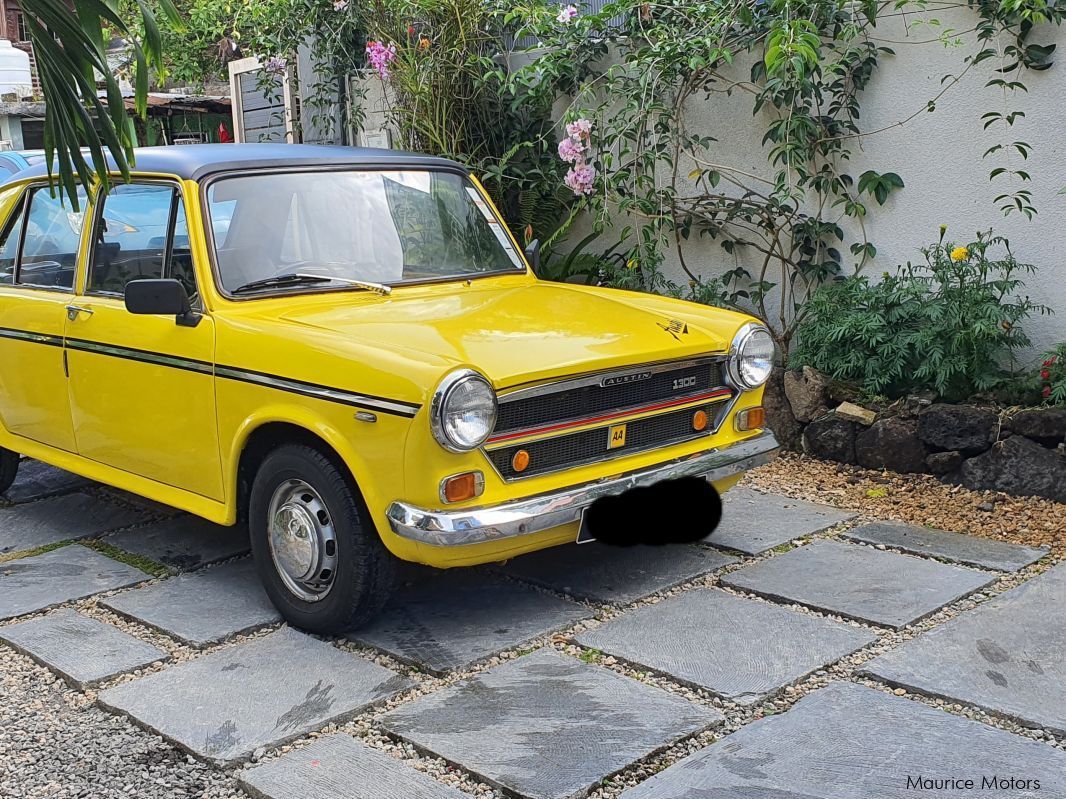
x: 39, y: 249
x: 142, y: 387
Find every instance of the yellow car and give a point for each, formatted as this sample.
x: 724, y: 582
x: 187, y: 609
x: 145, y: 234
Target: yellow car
x: 348, y: 349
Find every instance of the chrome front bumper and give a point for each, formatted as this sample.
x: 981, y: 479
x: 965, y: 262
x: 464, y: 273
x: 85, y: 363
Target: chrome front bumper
x: 449, y: 528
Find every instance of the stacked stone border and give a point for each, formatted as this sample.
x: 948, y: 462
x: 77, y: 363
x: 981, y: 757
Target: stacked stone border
x: 1019, y: 451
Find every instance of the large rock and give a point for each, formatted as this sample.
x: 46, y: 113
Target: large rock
x: 779, y: 416
x: 1018, y: 466
x: 943, y: 462
x: 891, y: 444
x: 831, y: 439
x: 965, y: 428
x: 806, y: 393
x: 1046, y: 425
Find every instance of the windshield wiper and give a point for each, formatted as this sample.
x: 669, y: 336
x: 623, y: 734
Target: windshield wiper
x: 297, y: 278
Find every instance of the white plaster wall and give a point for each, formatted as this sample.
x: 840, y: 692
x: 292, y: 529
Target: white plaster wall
x: 938, y: 154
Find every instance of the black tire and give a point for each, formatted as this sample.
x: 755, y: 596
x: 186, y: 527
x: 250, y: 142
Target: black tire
x: 9, y: 468
x: 364, y: 570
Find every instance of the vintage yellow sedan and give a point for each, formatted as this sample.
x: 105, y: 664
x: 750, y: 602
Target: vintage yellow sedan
x: 349, y: 350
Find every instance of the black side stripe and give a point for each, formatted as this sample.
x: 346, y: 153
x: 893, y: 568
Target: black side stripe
x: 394, y: 407
x: 35, y: 338
x: 301, y: 387
x: 146, y: 356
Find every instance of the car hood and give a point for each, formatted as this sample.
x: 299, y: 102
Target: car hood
x: 523, y: 331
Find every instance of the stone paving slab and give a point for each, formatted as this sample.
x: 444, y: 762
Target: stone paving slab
x: 73, y: 516
x: 1007, y: 656
x: 859, y: 582
x: 618, y: 575
x: 545, y: 725
x: 735, y: 647
x: 61, y: 575
x: 971, y: 550
x: 36, y: 480
x: 847, y: 741
x: 82, y: 650
x: 340, y: 766
x: 753, y: 522
x: 183, y: 543
x: 456, y: 618
x: 201, y: 608
x: 260, y: 693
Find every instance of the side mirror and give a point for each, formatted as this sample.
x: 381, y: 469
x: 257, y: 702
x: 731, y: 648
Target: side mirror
x: 533, y: 255
x: 161, y: 297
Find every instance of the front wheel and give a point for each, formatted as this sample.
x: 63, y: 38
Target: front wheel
x: 317, y: 553
x: 9, y: 468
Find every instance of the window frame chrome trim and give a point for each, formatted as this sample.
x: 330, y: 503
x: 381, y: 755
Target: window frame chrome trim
x: 99, y: 200
x: 205, y: 184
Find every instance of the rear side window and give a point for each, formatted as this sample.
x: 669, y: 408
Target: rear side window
x: 50, y: 243
x: 141, y: 233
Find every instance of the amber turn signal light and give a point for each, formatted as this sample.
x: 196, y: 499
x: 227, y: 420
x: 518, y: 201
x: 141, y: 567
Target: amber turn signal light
x: 462, y: 486
x: 520, y: 461
x: 751, y: 418
x: 700, y: 420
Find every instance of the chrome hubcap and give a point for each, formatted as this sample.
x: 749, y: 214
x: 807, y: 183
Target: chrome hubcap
x: 303, y: 543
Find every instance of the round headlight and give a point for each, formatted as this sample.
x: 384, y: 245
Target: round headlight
x: 463, y: 412
x: 751, y: 357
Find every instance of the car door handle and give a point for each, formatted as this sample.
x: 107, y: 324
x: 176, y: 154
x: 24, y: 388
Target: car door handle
x: 74, y: 310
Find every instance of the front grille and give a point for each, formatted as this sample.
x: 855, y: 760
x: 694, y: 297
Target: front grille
x: 565, y: 451
x: 588, y: 400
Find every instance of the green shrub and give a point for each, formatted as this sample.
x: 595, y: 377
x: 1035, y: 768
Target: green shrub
x: 951, y: 324
x: 1052, y: 375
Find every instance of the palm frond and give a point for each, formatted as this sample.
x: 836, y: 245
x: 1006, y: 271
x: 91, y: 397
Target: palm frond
x: 70, y: 53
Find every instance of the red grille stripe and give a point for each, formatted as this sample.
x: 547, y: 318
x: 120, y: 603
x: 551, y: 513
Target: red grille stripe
x: 657, y: 406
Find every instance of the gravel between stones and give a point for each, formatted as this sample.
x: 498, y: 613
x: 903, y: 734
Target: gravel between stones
x: 54, y: 742
x: 918, y: 499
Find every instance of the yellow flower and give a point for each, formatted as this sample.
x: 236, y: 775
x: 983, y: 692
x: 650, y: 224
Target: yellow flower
x: 960, y: 254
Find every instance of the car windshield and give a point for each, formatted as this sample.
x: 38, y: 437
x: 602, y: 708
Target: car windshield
x: 384, y: 226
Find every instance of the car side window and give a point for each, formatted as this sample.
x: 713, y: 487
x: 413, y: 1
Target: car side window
x: 9, y: 245
x: 141, y: 232
x: 132, y: 228
x: 50, y: 243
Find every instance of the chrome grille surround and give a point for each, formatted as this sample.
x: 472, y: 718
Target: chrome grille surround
x: 603, y: 396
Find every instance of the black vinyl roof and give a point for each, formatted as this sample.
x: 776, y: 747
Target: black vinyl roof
x: 195, y: 161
